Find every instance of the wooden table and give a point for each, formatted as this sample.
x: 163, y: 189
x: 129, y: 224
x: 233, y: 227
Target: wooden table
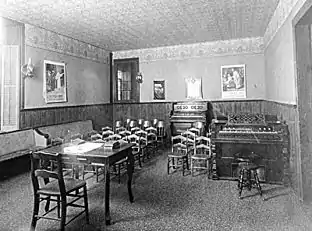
x: 107, y: 157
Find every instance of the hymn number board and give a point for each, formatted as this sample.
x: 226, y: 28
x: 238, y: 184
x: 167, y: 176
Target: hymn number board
x: 190, y: 107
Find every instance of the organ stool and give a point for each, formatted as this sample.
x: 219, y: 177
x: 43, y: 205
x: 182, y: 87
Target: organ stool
x: 248, y: 176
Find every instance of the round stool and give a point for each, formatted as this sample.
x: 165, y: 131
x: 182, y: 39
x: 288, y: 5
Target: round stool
x: 248, y: 176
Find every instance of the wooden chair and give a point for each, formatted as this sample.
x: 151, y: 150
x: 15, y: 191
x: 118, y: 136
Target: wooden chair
x: 106, y: 134
x: 151, y: 130
x: 115, y: 137
x: 161, y: 134
x: 124, y: 135
x: 178, y: 156
x: 151, y: 145
x: 136, y: 150
x: 58, y: 190
x: 96, y: 168
x: 135, y: 129
x: 121, y: 164
x: 127, y: 124
x: 201, y: 126
x: 68, y: 168
x: 190, y: 141
x: 120, y: 129
x: 90, y: 134
x: 146, y: 124
x: 196, y: 131
x: 143, y: 144
x: 95, y: 137
x: 118, y: 124
x: 200, y: 158
x: 203, y: 140
x: 107, y: 128
x: 154, y: 123
x: 140, y: 123
x: 132, y: 124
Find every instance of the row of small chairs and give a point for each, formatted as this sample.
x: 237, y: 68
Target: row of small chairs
x: 141, y: 123
x: 159, y: 131
x: 146, y: 141
x: 190, y: 146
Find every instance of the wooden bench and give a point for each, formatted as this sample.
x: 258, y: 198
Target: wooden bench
x: 66, y: 130
x: 20, y: 142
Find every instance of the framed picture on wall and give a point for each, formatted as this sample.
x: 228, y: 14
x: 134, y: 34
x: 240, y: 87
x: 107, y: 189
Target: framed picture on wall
x: 54, y: 82
x: 159, y: 89
x: 194, y: 89
x: 233, y: 81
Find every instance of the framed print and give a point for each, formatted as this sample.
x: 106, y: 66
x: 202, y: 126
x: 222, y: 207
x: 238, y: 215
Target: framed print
x: 233, y: 81
x: 193, y: 88
x: 54, y: 82
x: 159, y: 89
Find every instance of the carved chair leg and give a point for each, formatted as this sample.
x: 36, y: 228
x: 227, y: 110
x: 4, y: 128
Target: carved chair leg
x: 241, y: 183
x: 258, y: 182
x: 96, y: 168
x: 249, y: 181
x: 35, y: 212
x: 192, y: 167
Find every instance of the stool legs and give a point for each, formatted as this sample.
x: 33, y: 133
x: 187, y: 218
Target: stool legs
x: 240, y: 183
x: 258, y: 183
x: 246, y: 181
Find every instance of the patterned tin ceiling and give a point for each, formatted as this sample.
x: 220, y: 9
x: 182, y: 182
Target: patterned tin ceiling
x: 135, y: 24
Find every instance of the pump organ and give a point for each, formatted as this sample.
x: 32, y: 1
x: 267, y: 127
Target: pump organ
x: 258, y: 133
x: 184, y: 114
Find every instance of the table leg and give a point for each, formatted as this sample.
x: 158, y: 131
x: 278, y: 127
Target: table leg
x: 107, y: 190
x: 105, y: 202
x: 130, y: 169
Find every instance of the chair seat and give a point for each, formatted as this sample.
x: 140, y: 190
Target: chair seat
x: 135, y: 153
x: 177, y: 155
x: 71, y: 184
x: 200, y: 156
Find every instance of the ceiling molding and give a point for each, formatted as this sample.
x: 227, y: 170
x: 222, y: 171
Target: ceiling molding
x: 281, y: 13
x: 44, y: 39
x: 198, y: 50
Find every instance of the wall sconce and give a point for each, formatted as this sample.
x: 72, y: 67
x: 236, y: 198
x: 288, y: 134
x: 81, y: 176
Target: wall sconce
x: 28, y: 69
x: 139, y: 77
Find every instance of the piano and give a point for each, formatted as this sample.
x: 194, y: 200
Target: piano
x: 262, y: 134
x: 184, y: 114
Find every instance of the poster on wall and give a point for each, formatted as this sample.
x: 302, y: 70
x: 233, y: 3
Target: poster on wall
x: 54, y: 82
x: 233, y: 81
x: 159, y: 89
x: 193, y: 88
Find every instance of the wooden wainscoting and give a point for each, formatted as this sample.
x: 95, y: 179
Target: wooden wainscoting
x: 161, y: 110
x: 289, y: 114
x: 238, y: 106
x: 100, y: 114
x: 147, y: 111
